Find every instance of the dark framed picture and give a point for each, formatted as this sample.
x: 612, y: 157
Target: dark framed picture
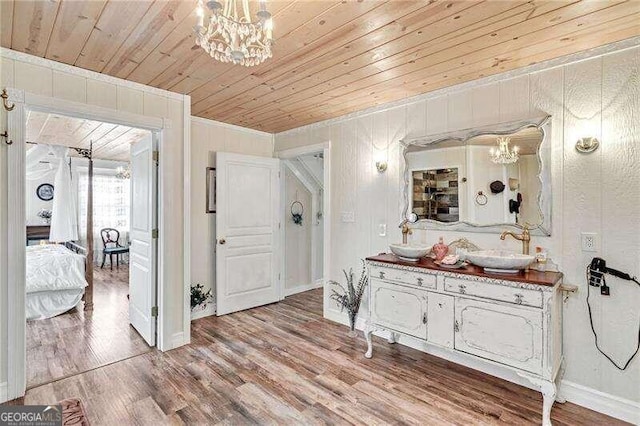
x: 45, y: 192
x: 211, y: 190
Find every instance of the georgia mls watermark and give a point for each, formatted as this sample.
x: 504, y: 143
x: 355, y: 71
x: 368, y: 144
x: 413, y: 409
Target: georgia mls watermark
x: 31, y: 415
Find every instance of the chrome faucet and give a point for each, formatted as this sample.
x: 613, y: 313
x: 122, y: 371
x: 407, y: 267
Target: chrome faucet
x: 404, y: 226
x: 525, y: 237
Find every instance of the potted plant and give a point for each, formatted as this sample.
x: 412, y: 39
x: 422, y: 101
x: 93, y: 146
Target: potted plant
x: 45, y: 215
x: 200, y: 298
x: 349, y: 298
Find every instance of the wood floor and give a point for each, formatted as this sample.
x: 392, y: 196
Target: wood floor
x: 79, y: 341
x: 284, y: 364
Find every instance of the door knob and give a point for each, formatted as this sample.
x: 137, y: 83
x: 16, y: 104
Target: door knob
x: 222, y: 241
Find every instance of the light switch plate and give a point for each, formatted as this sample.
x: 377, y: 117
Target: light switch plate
x: 382, y: 230
x: 589, y: 241
x: 348, y: 217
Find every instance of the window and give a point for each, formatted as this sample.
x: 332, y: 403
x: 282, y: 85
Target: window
x: 111, y: 205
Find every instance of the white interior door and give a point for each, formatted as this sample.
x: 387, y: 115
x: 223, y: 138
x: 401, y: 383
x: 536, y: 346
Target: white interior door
x: 142, y: 253
x: 247, y: 232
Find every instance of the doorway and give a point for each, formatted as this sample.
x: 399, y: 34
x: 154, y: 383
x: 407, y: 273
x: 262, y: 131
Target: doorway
x: 306, y: 218
x: 303, y: 222
x: 81, y: 222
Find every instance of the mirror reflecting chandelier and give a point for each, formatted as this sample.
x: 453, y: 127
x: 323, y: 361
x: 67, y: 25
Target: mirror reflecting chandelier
x: 503, y: 154
x: 229, y: 35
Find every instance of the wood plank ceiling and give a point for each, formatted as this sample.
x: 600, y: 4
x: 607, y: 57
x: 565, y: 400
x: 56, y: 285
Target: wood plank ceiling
x: 332, y: 57
x: 110, y: 141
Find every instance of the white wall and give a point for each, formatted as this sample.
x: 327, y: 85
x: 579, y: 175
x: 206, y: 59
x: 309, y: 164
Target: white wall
x: 47, y: 78
x: 297, y: 245
x: 207, y: 138
x: 591, y: 193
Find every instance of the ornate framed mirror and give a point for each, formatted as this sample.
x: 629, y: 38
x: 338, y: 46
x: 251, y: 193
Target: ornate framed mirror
x: 480, y: 180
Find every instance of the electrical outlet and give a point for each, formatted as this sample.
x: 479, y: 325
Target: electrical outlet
x: 589, y: 241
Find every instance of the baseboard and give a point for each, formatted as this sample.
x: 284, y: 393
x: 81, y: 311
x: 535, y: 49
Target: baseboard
x: 208, y: 310
x: 614, y: 406
x: 611, y: 405
x: 4, y: 392
x: 301, y: 288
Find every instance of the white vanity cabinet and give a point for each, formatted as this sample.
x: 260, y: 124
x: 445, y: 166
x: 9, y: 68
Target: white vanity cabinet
x: 513, y: 322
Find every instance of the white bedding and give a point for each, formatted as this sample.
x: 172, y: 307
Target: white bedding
x: 55, y: 280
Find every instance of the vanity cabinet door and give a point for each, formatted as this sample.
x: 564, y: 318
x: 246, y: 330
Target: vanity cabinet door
x: 399, y: 308
x: 501, y: 333
x: 440, y: 320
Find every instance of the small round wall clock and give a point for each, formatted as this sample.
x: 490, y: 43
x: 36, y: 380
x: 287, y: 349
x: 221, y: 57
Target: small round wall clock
x: 45, y: 192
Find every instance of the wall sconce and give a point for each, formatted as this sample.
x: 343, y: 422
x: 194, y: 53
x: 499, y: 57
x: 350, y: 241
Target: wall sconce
x: 381, y: 166
x: 587, y: 145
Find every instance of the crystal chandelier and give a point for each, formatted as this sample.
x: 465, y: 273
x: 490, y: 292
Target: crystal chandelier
x: 503, y: 154
x: 123, y: 173
x: 229, y: 35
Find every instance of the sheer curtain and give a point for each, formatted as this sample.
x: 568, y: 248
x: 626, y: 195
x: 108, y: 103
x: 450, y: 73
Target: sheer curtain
x: 111, y: 204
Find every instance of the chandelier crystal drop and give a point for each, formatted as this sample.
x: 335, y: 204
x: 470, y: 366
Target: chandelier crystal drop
x: 503, y: 154
x: 123, y: 172
x: 226, y: 32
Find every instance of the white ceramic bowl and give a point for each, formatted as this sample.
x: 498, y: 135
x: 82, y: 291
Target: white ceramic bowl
x: 499, y: 260
x: 410, y: 252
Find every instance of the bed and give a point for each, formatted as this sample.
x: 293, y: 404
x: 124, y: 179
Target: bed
x: 55, y: 280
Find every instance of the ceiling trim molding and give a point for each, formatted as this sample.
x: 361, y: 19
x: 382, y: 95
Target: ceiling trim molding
x: 619, y: 46
x: 228, y: 126
x: 81, y: 72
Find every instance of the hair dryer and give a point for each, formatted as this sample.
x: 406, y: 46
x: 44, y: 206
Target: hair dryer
x: 598, y: 268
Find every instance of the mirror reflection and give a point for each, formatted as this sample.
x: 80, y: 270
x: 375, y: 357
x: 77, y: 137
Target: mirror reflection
x: 488, y: 179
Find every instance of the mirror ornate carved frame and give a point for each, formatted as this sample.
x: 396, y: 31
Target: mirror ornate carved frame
x: 543, y: 124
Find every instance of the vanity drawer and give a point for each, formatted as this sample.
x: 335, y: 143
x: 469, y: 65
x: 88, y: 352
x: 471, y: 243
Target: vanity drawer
x: 405, y: 277
x: 518, y: 296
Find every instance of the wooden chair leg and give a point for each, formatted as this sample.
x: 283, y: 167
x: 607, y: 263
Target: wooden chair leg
x: 118, y: 261
x: 111, y: 261
x: 104, y: 259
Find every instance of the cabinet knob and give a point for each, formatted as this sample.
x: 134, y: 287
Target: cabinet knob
x: 462, y: 288
x: 519, y: 299
x: 381, y: 275
x: 456, y: 326
x: 424, y: 318
x: 419, y: 281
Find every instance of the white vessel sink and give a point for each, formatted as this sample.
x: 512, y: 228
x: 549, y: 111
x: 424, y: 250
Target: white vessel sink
x: 500, y: 261
x: 410, y: 252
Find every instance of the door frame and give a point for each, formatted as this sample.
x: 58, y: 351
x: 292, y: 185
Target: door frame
x: 16, y: 220
x: 325, y: 147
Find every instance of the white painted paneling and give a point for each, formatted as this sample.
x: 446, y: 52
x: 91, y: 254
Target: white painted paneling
x: 485, y: 103
x: 582, y: 208
x: 70, y: 87
x: 620, y: 202
x: 33, y: 78
x: 514, y: 98
x: 207, y: 138
x: 437, y: 115
x: 154, y: 105
x: 592, y: 193
x: 459, y: 111
x: 130, y: 100
x: 102, y: 94
x: 6, y: 72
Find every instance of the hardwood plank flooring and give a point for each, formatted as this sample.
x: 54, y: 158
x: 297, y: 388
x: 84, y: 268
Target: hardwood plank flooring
x: 284, y: 364
x: 79, y: 341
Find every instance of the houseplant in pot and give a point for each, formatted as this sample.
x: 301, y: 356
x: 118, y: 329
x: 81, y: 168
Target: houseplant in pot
x: 349, y: 297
